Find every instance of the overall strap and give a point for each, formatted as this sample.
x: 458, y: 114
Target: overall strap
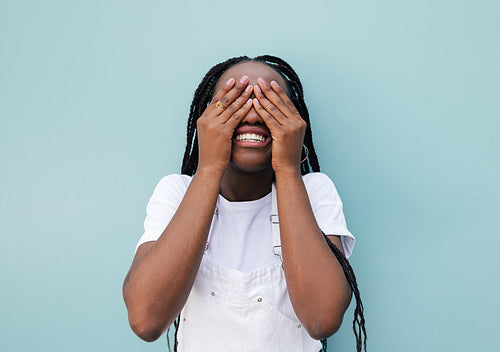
x: 275, y: 223
x: 216, y: 216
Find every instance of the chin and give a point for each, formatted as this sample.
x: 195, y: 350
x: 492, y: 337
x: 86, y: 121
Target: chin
x: 250, y: 166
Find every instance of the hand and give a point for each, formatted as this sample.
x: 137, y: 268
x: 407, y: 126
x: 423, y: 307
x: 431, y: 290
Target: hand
x: 284, y: 122
x: 216, y: 125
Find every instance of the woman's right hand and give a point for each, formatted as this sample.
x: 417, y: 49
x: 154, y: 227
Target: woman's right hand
x: 216, y: 125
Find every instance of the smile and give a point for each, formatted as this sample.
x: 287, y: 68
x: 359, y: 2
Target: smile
x: 250, y: 137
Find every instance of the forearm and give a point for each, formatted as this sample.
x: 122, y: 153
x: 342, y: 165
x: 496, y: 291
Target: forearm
x: 162, y: 274
x: 159, y: 283
x: 318, y: 289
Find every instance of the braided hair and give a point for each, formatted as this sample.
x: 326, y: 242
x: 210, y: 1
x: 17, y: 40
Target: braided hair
x: 202, y: 98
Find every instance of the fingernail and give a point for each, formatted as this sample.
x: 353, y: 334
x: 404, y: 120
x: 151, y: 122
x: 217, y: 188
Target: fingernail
x: 244, y: 79
x: 261, y: 81
x: 274, y: 84
x: 256, y: 101
x: 230, y: 81
x: 249, y: 101
x: 249, y: 88
x: 257, y: 88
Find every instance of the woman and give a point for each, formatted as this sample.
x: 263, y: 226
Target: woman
x: 215, y: 259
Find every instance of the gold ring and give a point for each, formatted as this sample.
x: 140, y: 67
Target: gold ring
x: 220, y: 105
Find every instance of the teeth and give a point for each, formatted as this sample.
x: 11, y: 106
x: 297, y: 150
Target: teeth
x: 250, y: 137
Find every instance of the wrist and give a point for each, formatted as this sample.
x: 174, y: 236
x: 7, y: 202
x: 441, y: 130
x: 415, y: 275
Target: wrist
x: 211, y: 172
x: 287, y: 172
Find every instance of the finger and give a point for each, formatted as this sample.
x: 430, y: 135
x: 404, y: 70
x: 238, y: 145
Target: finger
x: 236, y: 118
x: 219, y: 94
x: 288, y: 109
x: 269, y: 106
x: 225, y: 99
x: 273, y: 97
x: 268, y: 119
x: 237, y: 104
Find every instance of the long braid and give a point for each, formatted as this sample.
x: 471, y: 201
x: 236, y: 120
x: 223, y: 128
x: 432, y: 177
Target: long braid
x: 202, y: 97
x: 358, y: 323
x: 176, y: 329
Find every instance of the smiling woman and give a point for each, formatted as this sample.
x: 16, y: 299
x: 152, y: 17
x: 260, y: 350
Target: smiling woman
x: 215, y: 259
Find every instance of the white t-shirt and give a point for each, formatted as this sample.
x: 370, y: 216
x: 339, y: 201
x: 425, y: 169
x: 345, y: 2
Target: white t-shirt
x: 242, y: 238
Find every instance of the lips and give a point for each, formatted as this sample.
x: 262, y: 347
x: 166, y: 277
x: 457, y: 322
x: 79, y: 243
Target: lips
x: 251, y: 136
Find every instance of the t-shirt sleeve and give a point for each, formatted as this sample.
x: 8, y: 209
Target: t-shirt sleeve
x: 162, y: 206
x: 327, y: 208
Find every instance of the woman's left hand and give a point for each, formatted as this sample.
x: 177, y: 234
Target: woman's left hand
x: 284, y: 122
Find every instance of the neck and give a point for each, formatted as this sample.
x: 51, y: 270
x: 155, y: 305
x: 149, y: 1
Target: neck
x: 238, y: 185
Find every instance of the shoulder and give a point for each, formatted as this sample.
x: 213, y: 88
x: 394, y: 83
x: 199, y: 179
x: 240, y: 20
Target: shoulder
x: 316, y: 177
x: 172, y: 184
x: 318, y: 183
x: 175, y: 179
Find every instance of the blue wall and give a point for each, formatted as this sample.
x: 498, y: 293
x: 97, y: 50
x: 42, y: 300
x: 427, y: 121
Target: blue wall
x: 404, y: 103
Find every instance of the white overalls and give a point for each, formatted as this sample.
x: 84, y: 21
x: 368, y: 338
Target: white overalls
x: 228, y: 310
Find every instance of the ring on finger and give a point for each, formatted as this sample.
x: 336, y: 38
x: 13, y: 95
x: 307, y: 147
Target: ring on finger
x: 268, y: 106
x: 237, y: 104
x: 220, y: 105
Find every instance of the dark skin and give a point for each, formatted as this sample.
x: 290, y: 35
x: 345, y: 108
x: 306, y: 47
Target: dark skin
x: 163, y: 272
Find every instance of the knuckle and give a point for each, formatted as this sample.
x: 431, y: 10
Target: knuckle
x: 200, y: 122
x: 224, y: 100
x: 231, y: 109
x: 241, y: 86
x: 205, y: 126
x: 280, y: 105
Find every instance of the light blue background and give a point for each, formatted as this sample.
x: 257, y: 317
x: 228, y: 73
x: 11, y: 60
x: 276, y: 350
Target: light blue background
x: 404, y: 102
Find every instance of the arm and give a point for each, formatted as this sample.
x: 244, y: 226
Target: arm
x: 163, y: 272
x: 319, y: 291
